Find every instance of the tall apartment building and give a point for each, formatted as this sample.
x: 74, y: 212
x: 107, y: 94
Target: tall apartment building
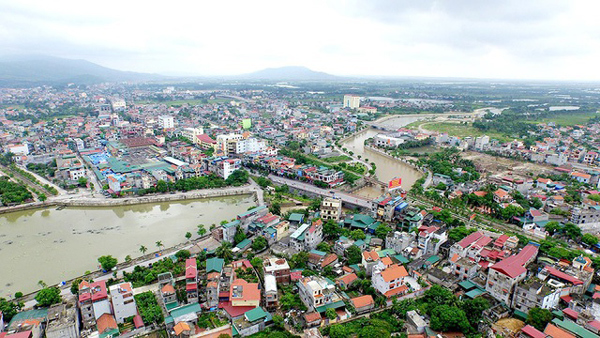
x: 93, y: 302
x: 166, y: 121
x: 351, y: 101
x: 227, y: 143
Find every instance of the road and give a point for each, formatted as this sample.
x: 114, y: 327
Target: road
x: 345, y: 197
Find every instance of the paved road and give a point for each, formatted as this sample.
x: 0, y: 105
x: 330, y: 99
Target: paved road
x: 345, y: 197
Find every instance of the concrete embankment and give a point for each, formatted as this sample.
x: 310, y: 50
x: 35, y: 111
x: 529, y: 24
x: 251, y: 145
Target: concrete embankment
x: 100, y: 202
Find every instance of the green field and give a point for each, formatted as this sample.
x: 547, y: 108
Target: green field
x: 334, y: 159
x: 463, y: 130
x: 569, y: 119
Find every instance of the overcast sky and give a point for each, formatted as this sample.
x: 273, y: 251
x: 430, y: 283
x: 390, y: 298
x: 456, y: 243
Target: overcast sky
x: 519, y: 39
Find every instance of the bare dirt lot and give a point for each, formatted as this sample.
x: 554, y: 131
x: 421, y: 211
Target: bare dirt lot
x: 508, y: 327
x: 501, y: 166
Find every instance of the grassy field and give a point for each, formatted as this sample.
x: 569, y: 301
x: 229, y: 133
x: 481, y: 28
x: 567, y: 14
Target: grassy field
x: 569, y: 119
x: 334, y: 159
x: 463, y: 130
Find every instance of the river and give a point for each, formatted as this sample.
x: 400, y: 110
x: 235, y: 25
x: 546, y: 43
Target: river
x: 54, y: 245
x: 387, y: 168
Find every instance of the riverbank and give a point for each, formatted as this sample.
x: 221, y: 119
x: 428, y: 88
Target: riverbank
x: 78, y: 201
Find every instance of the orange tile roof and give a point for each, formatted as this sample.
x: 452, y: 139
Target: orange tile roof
x: 370, y: 255
x: 312, y: 317
x: 168, y: 288
x: 328, y: 260
x: 387, y: 261
x: 556, y: 332
x: 106, y: 322
x: 361, y: 301
x: 347, y: 279
x: 181, y: 327
x: 250, y: 291
x: 393, y: 272
x: 399, y: 290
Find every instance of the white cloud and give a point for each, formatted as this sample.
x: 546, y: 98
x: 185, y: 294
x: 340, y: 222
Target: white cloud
x: 505, y: 39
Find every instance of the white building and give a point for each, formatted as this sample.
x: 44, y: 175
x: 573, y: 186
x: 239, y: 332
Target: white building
x: 19, y: 149
x: 166, y: 121
x: 249, y: 145
x: 192, y: 133
x: 226, y: 167
x: 118, y: 104
x: 308, y: 236
x: 316, y: 291
x: 481, y: 142
x: 123, y: 302
x: 351, y: 101
x: 388, y: 278
x: 271, y: 299
x: 382, y: 140
x: 331, y: 208
x: 75, y: 174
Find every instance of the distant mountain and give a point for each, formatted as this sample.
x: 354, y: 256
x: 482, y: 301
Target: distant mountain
x: 41, y: 69
x: 289, y: 73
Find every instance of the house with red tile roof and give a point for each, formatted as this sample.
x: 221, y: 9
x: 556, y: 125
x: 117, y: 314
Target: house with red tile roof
x: 389, y: 280
x: 363, y: 304
x: 504, y: 275
x: 191, y: 280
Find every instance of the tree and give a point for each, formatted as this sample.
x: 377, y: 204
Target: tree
x: 551, y: 227
x: 182, y: 254
x: 42, y: 197
x: 357, y: 235
x: 75, y: 286
x: 291, y: 300
x: 572, y: 230
x: 188, y: 235
x: 128, y: 258
x: 539, y: 318
x: 382, y: 231
x: 323, y: 246
x: 159, y: 244
x: 373, y: 331
x: 589, y: 239
x: 143, y: 249
x: 339, y: 331
x: 256, y: 262
x: 108, y: 262
x: 224, y: 251
x: 460, y: 232
x: 299, y: 260
x: 239, y: 236
x: 278, y: 322
x: 449, y: 318
x: 82, y: 181
x: 259, y: 243
x: 354, y: 255
x: 474, y: 309
x: 331, y: 229
x: 511, y: 211
x: 201, y: 230
x: 48, y: 296
x: 9, y: 309
x: 275, y: 208
x: 331, y: 314
x: 18, y: 294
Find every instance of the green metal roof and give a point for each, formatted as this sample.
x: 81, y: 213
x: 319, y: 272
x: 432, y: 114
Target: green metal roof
x: 171, y: 306
x: 214, y: 264
x: 467, y: 285
x: 475, y: 293
x: 270, y: 230
x: 573, y: 328
x: 110, y: 333
x: 402, y: 259
x: 296, y: 217
x: 558, y: 314
x: 186, y: 309
x: 591, y: 288
x: 251, y: 211
x: 385, y: 252
x: 299, y: 234
x: 243, y: 244
x: 31, y: 314
x: 520, y: 314
x: 433, y: 259
x: 232, y: 224
x: 317, y: 252
x: 359, y: 243
x: 255, y: 314
x: 334, y: 305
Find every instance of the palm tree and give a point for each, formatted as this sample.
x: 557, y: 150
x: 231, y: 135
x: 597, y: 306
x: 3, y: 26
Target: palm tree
x: 159, y: 244
x: 143, y: 249
x: 224, y: 251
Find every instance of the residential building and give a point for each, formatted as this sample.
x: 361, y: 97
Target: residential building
x: 63, y: 321
x: 243, y: 293
x: 166, y: 122
x: 504, y: 275
x: 308, y: 236
x: 331, y: 208
x: 388, y: 278
x: 363, y: 304
x: 107, y: 326
x: 123, y: 302
x: 191, y: 280
x: 227, y: 143
x: 351, y: 101
x: 251, y: 322
x: 271, y: 297
x: 93, y: 302
x: 430, y: 239
x: 277, y: 267
x: 385, y: 208
x: 398, y: 241
x: 318, y: 294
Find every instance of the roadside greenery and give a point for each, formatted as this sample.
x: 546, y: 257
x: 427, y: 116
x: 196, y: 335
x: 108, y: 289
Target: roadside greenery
x: 13, y: 193
x: 148, y: 308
